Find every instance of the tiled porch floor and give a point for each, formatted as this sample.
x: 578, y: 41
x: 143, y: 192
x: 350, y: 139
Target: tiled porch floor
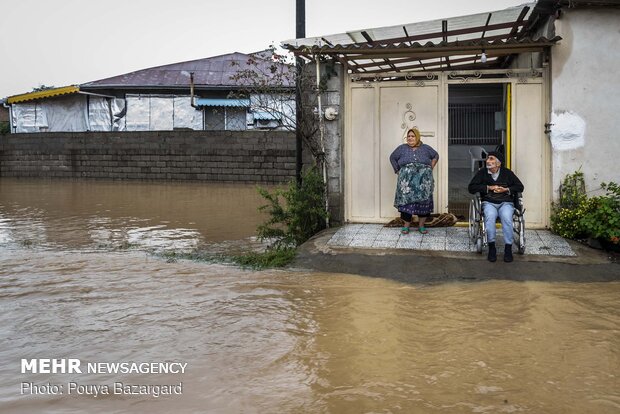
x: 455, y: 239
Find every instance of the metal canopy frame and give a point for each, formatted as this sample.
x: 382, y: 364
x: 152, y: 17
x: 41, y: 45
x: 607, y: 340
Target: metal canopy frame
x: 444, y: 45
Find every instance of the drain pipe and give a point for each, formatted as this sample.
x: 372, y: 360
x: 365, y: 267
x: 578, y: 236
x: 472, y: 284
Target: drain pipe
x: 191, y: 90
x: 322, y: 135
x: 10, y: 108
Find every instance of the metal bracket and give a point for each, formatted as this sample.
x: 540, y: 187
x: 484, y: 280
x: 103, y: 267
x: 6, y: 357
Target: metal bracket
x: 548, y: 128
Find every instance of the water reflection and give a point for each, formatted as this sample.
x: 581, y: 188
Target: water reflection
x: 105, y: 214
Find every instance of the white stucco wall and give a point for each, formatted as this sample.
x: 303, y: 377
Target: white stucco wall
x: 585, y: 96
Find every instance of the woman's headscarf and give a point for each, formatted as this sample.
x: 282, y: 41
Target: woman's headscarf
x: 416, y: 132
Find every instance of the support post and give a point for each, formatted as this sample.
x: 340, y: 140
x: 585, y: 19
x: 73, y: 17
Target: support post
x: 300, y: 33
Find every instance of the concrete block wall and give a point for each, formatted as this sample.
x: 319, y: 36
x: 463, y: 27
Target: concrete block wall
x: 334, y: 137
x: 225, y: 156
x: 332, y: 96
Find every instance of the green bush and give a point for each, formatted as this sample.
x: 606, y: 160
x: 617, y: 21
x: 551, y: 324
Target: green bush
x: 573, y: 190
x: 601, y: 214
x: 576, y: 216
x: 268, y: 259
x: 295, y: 214
x: 254, y: 260
x: 566, y: 222
x: 4, y: 128
x: 566, y: 213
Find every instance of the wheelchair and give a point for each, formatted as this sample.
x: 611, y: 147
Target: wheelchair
x: 477, y: 228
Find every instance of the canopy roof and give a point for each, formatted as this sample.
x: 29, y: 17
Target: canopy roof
x: 266, y: 116
x: 46, y: 93
x: 445, y: 44
x: 238, y: 103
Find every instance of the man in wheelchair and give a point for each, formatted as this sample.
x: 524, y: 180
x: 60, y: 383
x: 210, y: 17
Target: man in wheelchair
x: 497, y: 186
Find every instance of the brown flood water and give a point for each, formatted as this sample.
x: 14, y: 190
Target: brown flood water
x: 117, y: 214
x: 275, y: 341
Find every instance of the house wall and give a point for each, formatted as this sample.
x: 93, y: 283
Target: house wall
x: 70, y: 113
x: 146, y: 112
x: 4, y: 114
x: 246, y: 156
x: 378, y: 113
x: 584, y: 96
x: 333, y: 150
x: 4, y: 120
x: 332, y: 96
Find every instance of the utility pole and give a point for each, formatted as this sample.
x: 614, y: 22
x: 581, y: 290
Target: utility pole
x: 300, y: 33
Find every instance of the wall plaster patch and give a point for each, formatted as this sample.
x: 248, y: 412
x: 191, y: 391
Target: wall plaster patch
x: 568, y: 131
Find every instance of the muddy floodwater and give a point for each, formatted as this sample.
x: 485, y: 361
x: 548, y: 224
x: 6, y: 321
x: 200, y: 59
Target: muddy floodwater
x: 81, y: 278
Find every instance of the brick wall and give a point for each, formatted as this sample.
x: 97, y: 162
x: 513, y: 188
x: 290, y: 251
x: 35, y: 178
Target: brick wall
x: 243, y: 156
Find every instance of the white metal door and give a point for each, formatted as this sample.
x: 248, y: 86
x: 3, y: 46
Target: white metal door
x: 380, y: 116
x: 530, y: 151
x: 380, y: 113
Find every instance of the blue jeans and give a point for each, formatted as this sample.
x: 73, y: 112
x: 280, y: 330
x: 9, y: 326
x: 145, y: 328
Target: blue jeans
x: 505, y: 211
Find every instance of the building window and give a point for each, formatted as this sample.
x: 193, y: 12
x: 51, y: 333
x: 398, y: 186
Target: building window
x: 266, y: 120
x: 225, y: 119
x: 215, y: 119
x: 224, y: 114
x: 235, y: 119
x: 474, y: 124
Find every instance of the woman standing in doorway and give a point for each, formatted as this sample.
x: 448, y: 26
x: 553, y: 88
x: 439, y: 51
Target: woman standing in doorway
x: 414, y: 163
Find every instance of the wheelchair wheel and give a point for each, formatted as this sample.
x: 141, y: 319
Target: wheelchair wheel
x: 479, y: 245
x: 519, y: 229
x: 476, y: 231
x: 473, y: 229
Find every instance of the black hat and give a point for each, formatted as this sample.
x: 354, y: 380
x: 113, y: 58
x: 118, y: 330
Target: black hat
x: 497, y: 155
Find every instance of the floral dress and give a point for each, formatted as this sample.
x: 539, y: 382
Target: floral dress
x: 415, y: 183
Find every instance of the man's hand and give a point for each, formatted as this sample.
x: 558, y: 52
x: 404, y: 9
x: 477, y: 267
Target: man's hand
x: 497, y: 189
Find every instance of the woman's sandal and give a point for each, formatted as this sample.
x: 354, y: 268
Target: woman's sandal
x: 404, y: 230
x: 423, y: 230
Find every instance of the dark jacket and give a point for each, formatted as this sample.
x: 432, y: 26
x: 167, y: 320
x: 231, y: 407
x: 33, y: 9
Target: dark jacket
x: 506, y: 178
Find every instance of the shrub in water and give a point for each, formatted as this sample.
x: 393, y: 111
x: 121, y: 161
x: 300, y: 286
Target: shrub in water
x: 296, y: 214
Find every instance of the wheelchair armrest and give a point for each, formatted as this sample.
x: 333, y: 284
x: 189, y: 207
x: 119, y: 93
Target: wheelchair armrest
x: 477, y: 200
x: 518, y: 201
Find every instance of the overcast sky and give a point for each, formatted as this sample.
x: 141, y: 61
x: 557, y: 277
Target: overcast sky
x: 64, y: 42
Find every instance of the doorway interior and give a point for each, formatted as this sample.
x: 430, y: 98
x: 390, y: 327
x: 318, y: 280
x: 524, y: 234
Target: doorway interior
x: 476, y: 125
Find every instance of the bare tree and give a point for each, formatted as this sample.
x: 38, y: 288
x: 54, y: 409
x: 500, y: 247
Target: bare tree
x: 272, y: 83
x: 269, y: 80
x: 42, y: 87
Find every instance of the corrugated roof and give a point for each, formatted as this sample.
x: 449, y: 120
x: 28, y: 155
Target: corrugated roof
x: 47, y: 93
x: 444, y: 44
x: 265, y: 116
x: 431, y: 30
x: 212, y: 72
x: 415, y: 47
x: 239, y: 103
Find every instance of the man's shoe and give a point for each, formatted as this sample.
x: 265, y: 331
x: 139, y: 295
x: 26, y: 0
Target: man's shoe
x: 492, y: 256
x: 508, y: 253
